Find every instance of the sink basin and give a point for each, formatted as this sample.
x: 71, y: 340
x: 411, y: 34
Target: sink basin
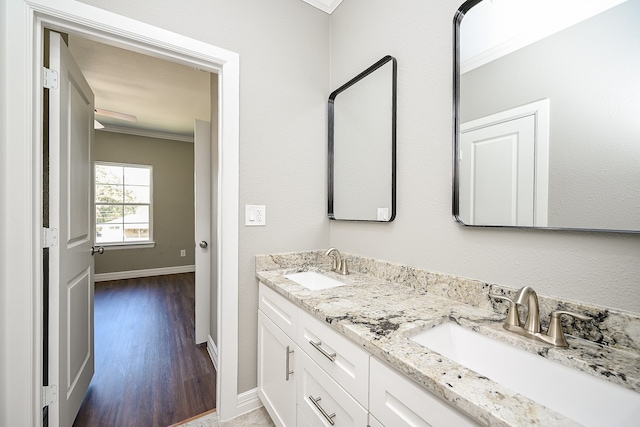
x: 579, y: 396
x: 313, y: 280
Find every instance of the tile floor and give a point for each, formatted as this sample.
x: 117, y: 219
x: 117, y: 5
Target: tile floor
x: 256, y: 418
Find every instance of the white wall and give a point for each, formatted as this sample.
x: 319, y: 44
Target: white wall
x: 589, y: 267
x: 3, y: 216
x: 284, y: 74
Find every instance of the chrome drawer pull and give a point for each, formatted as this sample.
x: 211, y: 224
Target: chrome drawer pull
x: 317, y: 345
x: 289, y: 371
x: 322, y: 411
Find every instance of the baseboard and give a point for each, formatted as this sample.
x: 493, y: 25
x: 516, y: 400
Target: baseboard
x: 248, y: 401
x: 132, y: 274
x: 212, y: 349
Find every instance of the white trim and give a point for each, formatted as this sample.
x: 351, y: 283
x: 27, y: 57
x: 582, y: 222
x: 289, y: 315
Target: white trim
x: 541, y: 110
x: 327, y: 6
x: 21, y: 402
x: 212, y: 349
x: 149, y: 272
x: 146, y: 133
x: 248, y: 401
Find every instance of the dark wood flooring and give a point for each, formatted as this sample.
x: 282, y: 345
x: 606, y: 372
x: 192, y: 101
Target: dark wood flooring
x: 148, y: 370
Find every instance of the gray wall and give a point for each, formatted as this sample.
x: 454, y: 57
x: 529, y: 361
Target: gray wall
x: 284, y: 74
x: 4, y: 100
x: 173, y: 202
x: 284, y: 84
x: 594, y: 114
x: 589, y: 267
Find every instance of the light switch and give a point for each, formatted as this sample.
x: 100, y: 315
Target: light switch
x: 255, y: 215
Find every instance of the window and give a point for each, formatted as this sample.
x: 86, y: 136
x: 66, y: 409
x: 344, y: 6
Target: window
x: 123, y: 203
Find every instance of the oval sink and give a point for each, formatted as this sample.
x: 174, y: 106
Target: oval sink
x: 313, y: 280
x: 577, y: 395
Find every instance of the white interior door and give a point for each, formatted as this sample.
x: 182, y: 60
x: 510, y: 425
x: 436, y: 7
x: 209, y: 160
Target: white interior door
x: 71, y: 355
x: 204, y: 246
x: 497, y: 179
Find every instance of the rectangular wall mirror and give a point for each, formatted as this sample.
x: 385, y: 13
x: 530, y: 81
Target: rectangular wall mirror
x: 362, y: 146
x: 547, y: 114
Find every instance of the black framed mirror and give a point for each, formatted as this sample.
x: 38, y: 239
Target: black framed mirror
x: 362, y: 145
x: 547, y: 114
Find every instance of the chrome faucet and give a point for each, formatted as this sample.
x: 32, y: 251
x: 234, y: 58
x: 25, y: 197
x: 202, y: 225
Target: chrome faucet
x: 339, y: 264
x: 554, y: 335
x: 532, y: 324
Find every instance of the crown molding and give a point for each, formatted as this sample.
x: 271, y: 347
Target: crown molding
x: 147, y: 133
x: 327, y: 6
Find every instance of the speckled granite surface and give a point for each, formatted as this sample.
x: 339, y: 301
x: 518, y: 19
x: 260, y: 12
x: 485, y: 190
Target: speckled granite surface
x: 384, y: 303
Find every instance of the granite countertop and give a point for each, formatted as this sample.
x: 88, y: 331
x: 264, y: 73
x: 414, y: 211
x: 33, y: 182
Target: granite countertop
x: 381, y: 315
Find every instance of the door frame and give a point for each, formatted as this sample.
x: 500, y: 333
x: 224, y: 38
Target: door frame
x: 21, y: 396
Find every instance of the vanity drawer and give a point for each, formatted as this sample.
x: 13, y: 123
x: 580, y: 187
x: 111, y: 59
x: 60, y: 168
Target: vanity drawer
x: 280, y: 311
x: 337, y: 405
x: 342, y: 359
x: 397, y: 401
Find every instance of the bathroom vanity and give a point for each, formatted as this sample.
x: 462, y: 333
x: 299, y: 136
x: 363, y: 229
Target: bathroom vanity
x: 351, y: 355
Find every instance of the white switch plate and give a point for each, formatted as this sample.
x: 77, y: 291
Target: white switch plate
x: 183, y: 252
x: 383, y: 214
x: 255, y: 215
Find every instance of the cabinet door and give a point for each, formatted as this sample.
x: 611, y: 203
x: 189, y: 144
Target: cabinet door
x: 278, y: 309
x: 276, y: 382
x: 397, y: 401
x: 323, y: 401
x: 373, y: 422
x: 303, y: 421
x: 343, y: 360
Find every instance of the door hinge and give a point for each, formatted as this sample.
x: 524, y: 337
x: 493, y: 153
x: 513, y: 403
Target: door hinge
x: 49, y: 395
x: 49, y: 237
x: 50, y: 78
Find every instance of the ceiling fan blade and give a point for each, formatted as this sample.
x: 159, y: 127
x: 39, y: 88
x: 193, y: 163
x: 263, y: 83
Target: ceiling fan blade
x: 116, y: 115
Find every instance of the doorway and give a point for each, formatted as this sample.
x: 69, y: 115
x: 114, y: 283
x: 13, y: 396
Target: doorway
x: 147, y: 108
x: 86, y: 21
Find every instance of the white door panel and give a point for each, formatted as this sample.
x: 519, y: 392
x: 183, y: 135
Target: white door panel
x: 504, y: 167
x: 204, y: 252
x: 497, y: 173
x: 71, y: 355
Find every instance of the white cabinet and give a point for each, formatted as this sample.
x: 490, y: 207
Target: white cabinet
x: 373, y: 422
x: 276, y: 384
x: 309, y: 375
x: 280, y: 311
x: 323, y: 401
x: 396, y: 401
x: 302, y: 419
x: 343, y: 360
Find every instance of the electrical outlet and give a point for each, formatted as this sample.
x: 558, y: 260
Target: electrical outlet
x: 255, y: 215
x: 183, y: 252
x: 383, y: 214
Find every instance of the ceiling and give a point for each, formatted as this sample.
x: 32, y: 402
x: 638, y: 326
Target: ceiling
x: 165, y: 97
x: 325, y: 5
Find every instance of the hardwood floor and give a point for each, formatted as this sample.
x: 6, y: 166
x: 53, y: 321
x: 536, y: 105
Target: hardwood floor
x: 149, y: 371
